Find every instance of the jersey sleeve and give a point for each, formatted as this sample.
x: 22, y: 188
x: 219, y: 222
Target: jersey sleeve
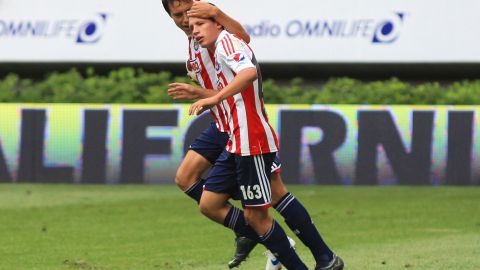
x: 236, y: 54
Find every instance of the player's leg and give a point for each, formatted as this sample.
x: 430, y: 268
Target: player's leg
x: 202, y: 154
x: 299, y: 221
x: 279, y: 190
x: 221, y: 185
x: 273, y: 237
x: 253, y: 176
x: 215, y: 206
x: 188, y: 177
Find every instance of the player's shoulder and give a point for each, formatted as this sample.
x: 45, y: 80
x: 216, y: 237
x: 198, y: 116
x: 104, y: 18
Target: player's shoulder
x: 223, y: 46
x: 228, y: 44
x: 233, y: 37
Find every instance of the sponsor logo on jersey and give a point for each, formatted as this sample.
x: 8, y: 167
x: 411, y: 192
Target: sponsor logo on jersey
x: 196, y: 46
x: 239, y: 57
x: 194, y: 65
x: 219, y: 84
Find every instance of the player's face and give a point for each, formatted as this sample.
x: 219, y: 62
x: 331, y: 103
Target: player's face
x: 178, y: 12
x: 205, y: 31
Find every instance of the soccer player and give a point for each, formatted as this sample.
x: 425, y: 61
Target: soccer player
x: 286, y: 204
x: 246, y: 162
x: 207, y: 147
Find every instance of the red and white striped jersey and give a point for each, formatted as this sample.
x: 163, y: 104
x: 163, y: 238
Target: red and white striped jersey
x: 201, y: 62
x: 246, y: 119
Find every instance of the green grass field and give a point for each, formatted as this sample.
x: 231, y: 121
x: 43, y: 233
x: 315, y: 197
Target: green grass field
x: 158, y: 227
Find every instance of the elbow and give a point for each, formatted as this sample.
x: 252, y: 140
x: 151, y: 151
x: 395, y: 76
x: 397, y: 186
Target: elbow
x: 246, y: 38
x: 248, y: 75
x: 253, y: 74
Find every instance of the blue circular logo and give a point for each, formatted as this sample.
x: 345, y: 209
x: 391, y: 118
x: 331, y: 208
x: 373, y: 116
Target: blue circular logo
x: 387, y: 31
x: 387, y: 28
x: 90, y: 29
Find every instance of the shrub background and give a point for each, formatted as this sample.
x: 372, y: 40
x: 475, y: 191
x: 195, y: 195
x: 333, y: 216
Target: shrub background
x: 128, y: 85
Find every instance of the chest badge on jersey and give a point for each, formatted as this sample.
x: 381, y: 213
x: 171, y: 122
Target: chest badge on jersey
x: 195, y: 65
x: 196, y: 46
x: 217, y: 66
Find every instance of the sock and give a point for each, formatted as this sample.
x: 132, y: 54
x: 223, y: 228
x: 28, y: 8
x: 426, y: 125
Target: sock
x: 277, y: 242
x: 300, y: 222
x: 195, y: 191
x: 236, y: 221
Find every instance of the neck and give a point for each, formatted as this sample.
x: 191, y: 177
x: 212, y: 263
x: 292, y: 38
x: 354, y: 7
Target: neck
x: 212, y: 47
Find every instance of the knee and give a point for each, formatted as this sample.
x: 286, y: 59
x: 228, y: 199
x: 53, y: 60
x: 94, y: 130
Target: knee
x: 247, y: 214
x: 206, y: 209
x: 255, y: 216
x: 185, y: 179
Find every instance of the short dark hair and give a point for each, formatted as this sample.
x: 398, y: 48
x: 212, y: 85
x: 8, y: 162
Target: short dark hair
x: 166, y: 4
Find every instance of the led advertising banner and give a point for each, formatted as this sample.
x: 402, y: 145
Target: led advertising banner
x: 303, y: 31
x: 340, y: 145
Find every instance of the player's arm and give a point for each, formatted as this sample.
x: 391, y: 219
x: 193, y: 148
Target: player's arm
x: 241, y: 82
x: 206, y: 10
x: 184, y: 91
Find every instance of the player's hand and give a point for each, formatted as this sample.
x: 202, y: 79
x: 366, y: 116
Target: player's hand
x: 203, y: 10
x: 203, y: 105
x: 183, y: 91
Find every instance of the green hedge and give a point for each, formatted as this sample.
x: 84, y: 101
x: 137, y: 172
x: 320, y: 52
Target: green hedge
x: 127, y: 85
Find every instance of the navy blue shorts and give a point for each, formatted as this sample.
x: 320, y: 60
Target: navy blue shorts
x: 243, y: 177
x: 211, y: 143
